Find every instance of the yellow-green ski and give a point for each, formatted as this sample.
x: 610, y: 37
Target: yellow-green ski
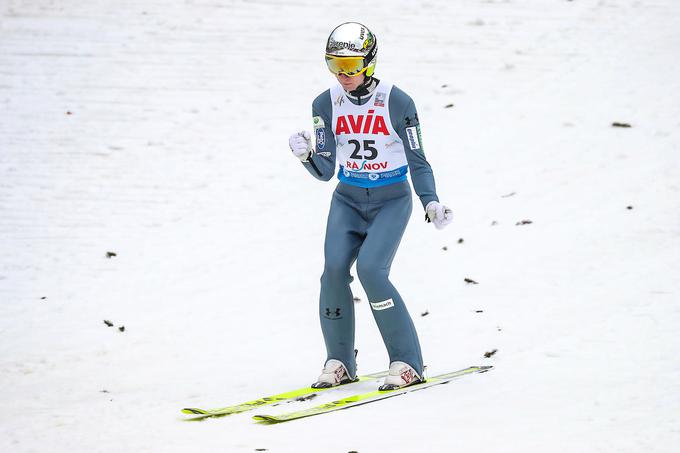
x: 368, y: 397
x: 274, y: 399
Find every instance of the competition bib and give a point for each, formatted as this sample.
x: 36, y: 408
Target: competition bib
x: 368, y: 149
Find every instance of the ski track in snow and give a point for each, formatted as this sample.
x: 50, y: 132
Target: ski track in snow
x: 157, y: 130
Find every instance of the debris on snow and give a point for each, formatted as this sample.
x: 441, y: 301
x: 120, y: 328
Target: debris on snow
x: 111, y: 254
x: 488, y: 354
x: 108, y: 323
x: 524, y: 222
x: 470, y: 281
x: 425, y: 313
x: 617, y: 124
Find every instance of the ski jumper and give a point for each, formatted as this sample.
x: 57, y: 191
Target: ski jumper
x: 375, y: 139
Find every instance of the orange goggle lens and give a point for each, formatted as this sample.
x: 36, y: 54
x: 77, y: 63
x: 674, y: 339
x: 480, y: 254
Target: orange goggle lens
x: 350, y: 66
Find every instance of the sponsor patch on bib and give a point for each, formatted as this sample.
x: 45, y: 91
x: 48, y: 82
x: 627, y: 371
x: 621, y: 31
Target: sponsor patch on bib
x: 379, y: 99
x: 319, y: 131
x: 320, y: 138
x: 318, y: 122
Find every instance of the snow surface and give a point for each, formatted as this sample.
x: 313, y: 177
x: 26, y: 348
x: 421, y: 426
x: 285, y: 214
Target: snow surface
x: 158, y: 130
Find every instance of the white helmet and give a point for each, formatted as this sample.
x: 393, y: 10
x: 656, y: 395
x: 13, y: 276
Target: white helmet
x: 351, y: 49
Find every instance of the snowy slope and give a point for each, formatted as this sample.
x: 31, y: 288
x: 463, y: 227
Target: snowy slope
x: 157, y: 130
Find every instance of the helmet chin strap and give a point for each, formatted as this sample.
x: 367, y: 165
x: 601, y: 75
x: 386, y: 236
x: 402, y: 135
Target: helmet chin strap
x: 365, y: 88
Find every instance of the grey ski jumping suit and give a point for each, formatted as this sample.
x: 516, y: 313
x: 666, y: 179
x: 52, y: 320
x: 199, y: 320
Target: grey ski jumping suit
x: 376, y: 140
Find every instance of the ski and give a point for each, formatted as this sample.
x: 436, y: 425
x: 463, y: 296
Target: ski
x: 298, y: 394
x: 368, y: 397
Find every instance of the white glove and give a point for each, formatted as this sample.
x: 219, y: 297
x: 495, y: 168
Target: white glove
x: 438, y: 214
x: 301, y: 145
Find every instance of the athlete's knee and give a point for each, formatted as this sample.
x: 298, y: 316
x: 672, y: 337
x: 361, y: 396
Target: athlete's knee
x: 371, y: 274
x: 335, y: 272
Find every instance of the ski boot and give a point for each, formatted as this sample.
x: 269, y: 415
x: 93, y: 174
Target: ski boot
x: 401, y: 375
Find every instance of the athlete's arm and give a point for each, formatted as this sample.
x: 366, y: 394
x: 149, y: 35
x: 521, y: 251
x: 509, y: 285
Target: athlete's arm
x: 321, y: 163
x: 404, y: 119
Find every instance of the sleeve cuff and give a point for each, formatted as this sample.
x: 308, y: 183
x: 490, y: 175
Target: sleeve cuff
x: 426, y: 200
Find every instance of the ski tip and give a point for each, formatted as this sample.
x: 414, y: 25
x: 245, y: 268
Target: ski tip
x: 194, y: 411
x: 482, y: 368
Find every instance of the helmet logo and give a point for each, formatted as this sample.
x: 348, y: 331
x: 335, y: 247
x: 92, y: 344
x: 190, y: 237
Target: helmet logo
x: 333, y: 44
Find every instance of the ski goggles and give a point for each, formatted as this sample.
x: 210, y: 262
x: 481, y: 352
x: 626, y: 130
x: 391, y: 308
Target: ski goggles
x: 351, y: 66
